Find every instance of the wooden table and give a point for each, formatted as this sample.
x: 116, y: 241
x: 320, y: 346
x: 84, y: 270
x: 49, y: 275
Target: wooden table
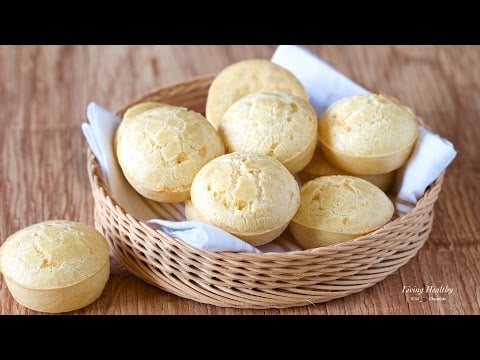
x: 43, y: 94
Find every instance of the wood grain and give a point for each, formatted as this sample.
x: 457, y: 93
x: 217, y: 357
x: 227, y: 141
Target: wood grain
x: 43, y: 94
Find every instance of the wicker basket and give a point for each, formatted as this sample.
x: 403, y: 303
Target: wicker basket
x: 244, y: 280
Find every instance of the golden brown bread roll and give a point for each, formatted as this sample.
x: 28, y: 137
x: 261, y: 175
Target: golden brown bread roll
x: 250, y: 195
x: 246, y: 77
x: 280, y: 125
x: 338, y: 208
x: 55, y: 266
x: 161, y: 149
x: 367, y: 134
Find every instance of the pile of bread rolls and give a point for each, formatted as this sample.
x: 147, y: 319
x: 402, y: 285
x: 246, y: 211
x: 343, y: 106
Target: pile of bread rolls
x: 239, y: 168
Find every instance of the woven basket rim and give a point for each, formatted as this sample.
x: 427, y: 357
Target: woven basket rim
x: 96, y: 179
x: 142, y: 98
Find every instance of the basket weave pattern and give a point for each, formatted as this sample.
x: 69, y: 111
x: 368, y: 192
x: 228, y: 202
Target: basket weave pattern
x: 243, y: 280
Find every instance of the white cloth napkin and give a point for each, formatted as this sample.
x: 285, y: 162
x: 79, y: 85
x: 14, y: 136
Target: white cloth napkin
x: 324, y: 85
x: 431, y: 156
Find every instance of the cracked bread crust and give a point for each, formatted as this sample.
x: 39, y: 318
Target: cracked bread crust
x: 280, y: 125
x: 161, y: 150
x: 337, y: 208
x: 53, y: 254
x: 246, y: 77
x: 245, y: 194
x: 55, y: 266
x: 367, y: 134
x: 131, y: 113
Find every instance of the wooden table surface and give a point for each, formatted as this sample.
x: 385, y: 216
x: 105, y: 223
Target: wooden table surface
x: 43, y: 94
